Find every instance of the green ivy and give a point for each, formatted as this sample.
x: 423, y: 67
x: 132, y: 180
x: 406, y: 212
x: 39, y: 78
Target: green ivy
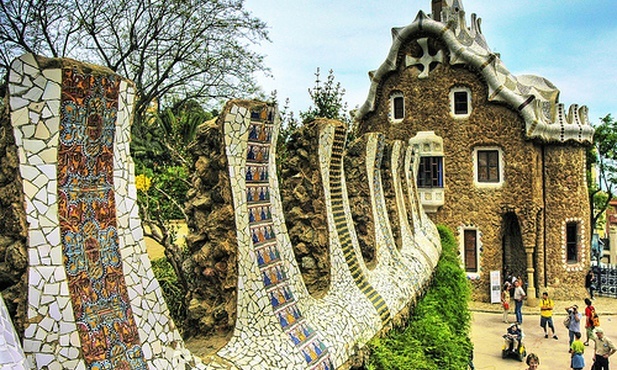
x: 172, y: 292
x: 437, y: 335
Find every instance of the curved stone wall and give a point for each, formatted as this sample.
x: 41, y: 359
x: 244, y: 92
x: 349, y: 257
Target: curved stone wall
x: 279, y: 324
x: 93, y: 301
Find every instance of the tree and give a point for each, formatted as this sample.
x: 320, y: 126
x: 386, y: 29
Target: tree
x: 289, y: 124
x: 162, y: 180
x: 603, y: 156
x: 162, y: 139
x: 171, y: 49
x: 327, y: 100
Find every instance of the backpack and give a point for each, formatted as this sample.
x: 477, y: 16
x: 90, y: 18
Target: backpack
x: 566, y: 322
x: 595, y: 320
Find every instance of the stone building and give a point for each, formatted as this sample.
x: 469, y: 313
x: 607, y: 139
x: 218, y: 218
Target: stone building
x: 499, y: 159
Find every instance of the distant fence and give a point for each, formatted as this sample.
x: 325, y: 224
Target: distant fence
x: 606, y: 281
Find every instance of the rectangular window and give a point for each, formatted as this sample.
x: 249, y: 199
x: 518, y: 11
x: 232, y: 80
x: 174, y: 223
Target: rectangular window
x: 399, y: 107
x: 488, y: 166
x: 461, y: 105
x: 430, y: 173
x: 471, y: 252
x: 572, y: 242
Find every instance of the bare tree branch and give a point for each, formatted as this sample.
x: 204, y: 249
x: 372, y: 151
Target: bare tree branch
x: 172, y: 50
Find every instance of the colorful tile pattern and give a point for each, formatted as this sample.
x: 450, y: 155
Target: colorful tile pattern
x: 114, y: 249
x: 273, y: 270
x: 272, y: 300
x: 90, y: 277
x: 86, y: 207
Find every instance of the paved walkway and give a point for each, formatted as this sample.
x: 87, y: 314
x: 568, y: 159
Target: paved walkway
x: 487, y: 328
x: 603, y: 305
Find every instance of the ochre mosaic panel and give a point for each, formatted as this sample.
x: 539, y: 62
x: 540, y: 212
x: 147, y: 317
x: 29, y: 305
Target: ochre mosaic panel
x: 87, y: 214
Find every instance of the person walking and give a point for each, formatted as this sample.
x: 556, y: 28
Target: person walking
x: 519, y: 295
x: 505, y: 301
x: 575, y: 322
x: 589, y: 311
x: 577, y: 349
x: 604, y: 348
x: 590, y: 283
x: 546, y: 315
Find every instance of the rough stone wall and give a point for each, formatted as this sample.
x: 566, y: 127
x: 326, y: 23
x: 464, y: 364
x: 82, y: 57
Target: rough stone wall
x: 13, y: 228
x: 303, y: 197
x: 427, y: 108
x: 211, y: 263
x: 566, y: 201
x: 359, y: 199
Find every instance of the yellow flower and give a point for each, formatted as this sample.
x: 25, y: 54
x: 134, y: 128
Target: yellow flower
x: 142, y: 182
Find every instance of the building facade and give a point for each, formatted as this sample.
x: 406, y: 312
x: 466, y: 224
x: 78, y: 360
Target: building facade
x: 499, y: 160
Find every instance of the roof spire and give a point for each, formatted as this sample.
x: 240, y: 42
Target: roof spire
x: 441, y: 8
x: 436, y: 6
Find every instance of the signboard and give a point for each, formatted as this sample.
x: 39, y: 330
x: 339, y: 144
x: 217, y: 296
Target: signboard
x: 495, y: 286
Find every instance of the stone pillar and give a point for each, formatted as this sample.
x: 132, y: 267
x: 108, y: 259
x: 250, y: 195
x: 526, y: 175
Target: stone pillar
x: 531, y: 284
x: 613, y: 243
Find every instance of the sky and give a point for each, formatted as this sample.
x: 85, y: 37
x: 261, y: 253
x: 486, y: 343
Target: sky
x: 572, y: 43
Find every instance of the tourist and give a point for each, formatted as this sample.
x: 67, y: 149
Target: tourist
x: 532, y: 361
x: 604, y: 348
x: 546, y: 315
x: 513, y: 338
x: 590, y: 283
x: 589, y: 311
x: 577, y: 361
x: 519, y: 295
x: 505, y: 301
x: 575, y: 322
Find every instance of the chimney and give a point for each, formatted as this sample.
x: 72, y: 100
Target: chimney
x: 436, y: 6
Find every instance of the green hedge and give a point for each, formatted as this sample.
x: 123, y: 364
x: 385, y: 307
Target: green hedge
x: 172, y: 292
x: 437, y: 334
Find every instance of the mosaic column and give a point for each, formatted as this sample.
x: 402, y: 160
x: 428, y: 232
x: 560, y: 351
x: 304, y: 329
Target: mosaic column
x: 271, y: 330
x: 93, y: 300
x: 352, y: 312
x: 413, y: 254
x: 425, y: 231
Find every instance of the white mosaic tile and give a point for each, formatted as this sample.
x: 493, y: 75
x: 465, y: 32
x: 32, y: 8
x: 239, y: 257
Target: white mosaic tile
x: 11, y: 353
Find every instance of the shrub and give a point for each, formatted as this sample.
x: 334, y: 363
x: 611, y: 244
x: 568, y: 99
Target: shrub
x: 437, y: 335
x: 172, y: 291
x: 162, y: 195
